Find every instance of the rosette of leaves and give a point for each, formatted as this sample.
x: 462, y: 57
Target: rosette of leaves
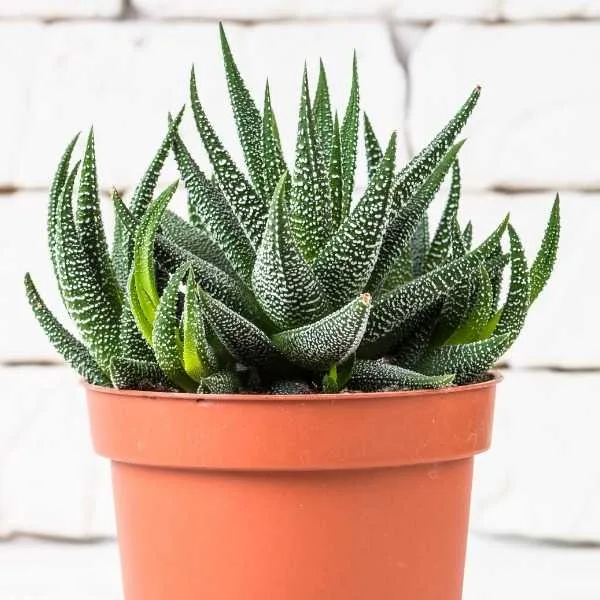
x: 285, y: 278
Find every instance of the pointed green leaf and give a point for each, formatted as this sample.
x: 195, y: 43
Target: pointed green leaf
x: 517, y: 302
x: 338, y: 376
x: 283, y: 282
x: 199, y: 359
x: 468, y: 235
x: 329, y: 341
x: 132, y: 342
x: 495, y: 264
x: 310, y: 208
x: 460, y: 298
x: 418, y: 337
x: 242, y: 339
x: 88, y: 220
x: 338, y: 213
x: 394, y: 309
x: 141, y: 307
x: 231, y: 291
x: 123, y: 215
x: 83, y: 295
x: 372, y: 147
x: 483, y: 309
x: 345, y: 264
x: 144, y: 275
x: 248, y: 205
x: 122, y: 252
x: 211, y: 210
x: 546, y: 257
x: 190, y: 238
x: 132, y: 374
x: 247, y: 118
x: 144, y: 192
x: 123, y: 235
x: 400, y: 273
x: 58, y: 183
x: 349, y: 137
x: 376, y: 376
x: 419, y: 246
x: 222, y: 382
x: 440, y: 244
x: 421, y: 166
x: 70, y: 348
x: 166, y: 338
x: 466, y: 360
x: 271, y: 144
x: 406, y: 221
x: 322, y: 112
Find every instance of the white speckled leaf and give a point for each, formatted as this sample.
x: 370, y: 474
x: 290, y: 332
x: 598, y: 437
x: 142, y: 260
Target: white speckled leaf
x: 422, y: 165
x: 69, y: 347
x: 322, y: 112
x: 517, y: 302
x: 58, y: 183
x: 132, y: 374
x: 345, y: 264
x: 394, y: 309
x: 247, y: 118
x: 376, y: 375
x: 222, y: 382
x: 283, y: 282
x: 88, y: 220
x: 242, y: 339
x: 250, y: 208
x: 405, y: 222
x: 210, y: 209
x: 329, y: 341
x: 198, y: 357
x: 225, y: 288
x: 419, y: 246
x: 85, y: 299
x: 122, y: 252
x: 144, y: 192
x: 472, y: 330
x: 338, y: 210
x: 440, y: 244
x: 349, y: 137
x: 310, y: 207
x: 466, y: 361
x: 166, y: 338
x: 194, y: 240
x: 546, y: 257
x: 271, y: 144
x: 372, y: 147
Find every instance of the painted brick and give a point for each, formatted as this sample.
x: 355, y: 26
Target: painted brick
x: 541, y: 478
x: 126, y: 87
x: 536, y: 125
x: 51, y: 483
x: 60, y: 9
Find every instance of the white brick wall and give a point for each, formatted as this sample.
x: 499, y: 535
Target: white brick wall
x: 123, y: 65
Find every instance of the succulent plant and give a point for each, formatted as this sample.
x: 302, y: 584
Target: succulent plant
x: 284, y: 279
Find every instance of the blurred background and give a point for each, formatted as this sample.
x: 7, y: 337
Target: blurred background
x: 121, y: 65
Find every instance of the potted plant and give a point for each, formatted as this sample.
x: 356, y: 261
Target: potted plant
x: 292, y: 384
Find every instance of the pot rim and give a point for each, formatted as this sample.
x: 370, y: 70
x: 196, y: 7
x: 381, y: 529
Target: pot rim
x: 495, y: 378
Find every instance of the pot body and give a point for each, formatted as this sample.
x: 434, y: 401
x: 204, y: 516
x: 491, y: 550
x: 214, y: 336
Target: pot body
x: 347, y: 497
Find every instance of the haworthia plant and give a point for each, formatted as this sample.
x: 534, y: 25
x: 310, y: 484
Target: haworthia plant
x: 283, y: 280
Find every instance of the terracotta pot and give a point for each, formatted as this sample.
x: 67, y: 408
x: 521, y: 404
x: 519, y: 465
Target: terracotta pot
x: 325, y: 497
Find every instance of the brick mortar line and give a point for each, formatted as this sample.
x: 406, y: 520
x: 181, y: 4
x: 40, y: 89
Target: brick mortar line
x: 126, y: 17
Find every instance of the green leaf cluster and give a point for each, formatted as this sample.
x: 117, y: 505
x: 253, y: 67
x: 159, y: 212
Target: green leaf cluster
x: 286, y: 279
